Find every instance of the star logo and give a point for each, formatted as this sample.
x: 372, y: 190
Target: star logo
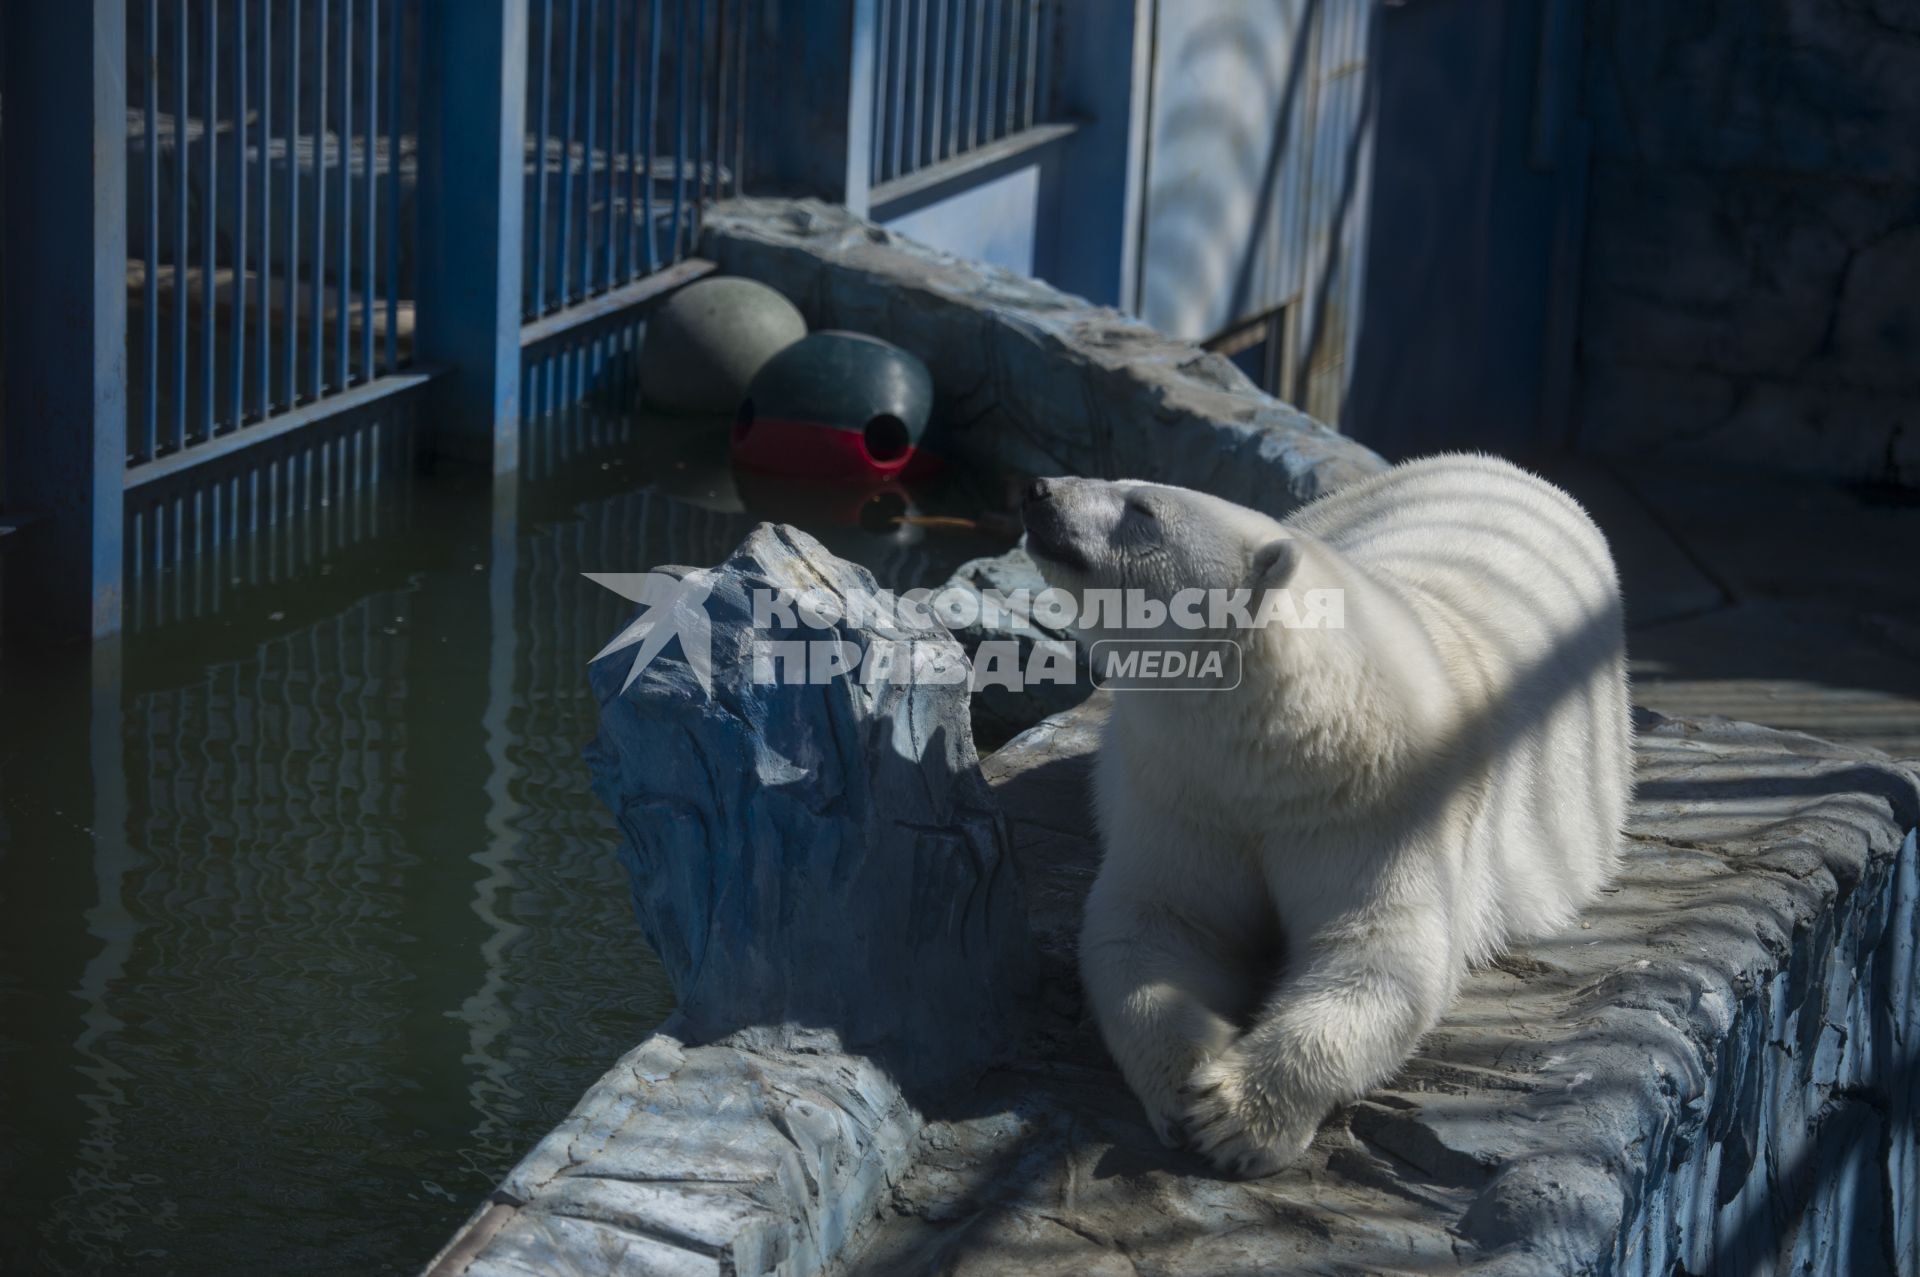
x: 675, y: 608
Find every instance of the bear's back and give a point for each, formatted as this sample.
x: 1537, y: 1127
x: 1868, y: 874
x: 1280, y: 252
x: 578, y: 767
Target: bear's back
x: 1480, y: 536
x: 1517, y: 589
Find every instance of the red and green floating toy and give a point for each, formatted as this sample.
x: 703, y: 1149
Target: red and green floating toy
x: 836, y: 406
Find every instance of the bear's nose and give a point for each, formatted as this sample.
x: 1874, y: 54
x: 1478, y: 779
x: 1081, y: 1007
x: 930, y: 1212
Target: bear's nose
x: 1039, y: 490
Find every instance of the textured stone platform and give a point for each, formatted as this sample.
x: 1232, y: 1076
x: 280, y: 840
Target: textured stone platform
x: 1717, y: 1066
x: 760, y: 1155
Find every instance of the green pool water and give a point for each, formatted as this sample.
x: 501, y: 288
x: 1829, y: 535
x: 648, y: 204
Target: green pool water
x: 312, y: 925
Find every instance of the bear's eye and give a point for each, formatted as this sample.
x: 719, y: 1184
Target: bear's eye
x: 1138, y: 507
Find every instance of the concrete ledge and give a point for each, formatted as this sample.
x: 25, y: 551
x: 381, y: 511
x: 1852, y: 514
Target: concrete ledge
x: 759, y: 1155
x: 1718, y: 1066
x: 1031, y: 378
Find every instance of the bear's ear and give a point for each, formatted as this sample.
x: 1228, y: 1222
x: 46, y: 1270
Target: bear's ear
x: 1274, y: 562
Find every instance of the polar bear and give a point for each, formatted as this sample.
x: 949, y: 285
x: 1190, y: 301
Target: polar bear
x: 1298, y: 871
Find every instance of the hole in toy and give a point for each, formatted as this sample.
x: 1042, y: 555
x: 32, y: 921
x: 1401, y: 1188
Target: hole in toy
x: 886, y: 438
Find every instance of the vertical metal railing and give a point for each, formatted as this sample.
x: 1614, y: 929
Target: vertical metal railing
x: 952, y: 76
x: 628, y: 103
x: 144, y: 439
x: 266, y: 135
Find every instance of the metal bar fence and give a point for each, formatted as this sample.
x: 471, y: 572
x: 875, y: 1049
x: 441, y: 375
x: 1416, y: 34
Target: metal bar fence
x: 257, y: 517
x: 952, y: 76
x: 616, y: 177
x: 263, y: 163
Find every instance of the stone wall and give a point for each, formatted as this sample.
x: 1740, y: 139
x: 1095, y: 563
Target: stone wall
x: 1752, y: 281
x: 1030, y: 378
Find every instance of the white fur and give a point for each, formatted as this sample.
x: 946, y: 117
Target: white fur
x: 1297, y: 872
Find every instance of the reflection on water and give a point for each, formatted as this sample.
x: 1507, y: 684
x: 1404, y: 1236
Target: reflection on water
x: 313, y: 924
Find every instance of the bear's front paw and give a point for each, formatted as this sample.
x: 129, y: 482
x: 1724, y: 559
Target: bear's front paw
x: 1236, y: 1124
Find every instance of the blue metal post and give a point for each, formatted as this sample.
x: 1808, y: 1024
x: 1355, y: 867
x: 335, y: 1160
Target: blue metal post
x: 318, y: 301
x: 613, y: 135
x: 1091, y: 221
x: 343, y: 306
x: 883, y: 73
x: 680, y: 77
x: 695, y: 71
x: 653, y: 135
x: 637, y: 153
x: 896, y: 110
x: 291, y: 73
x: 263, y: 351
x: 65, y: 312
x: 182, y: 172
x: 151, y: 320
x: 394, y: 59
x: 562, y: 277
x: 542, y: 140
x: 472, y: 154
x: 209, y: 230
x: 238, y: 370
x: 370, y: 191
x: 592, y: 105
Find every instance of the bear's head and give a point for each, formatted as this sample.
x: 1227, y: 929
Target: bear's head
x: 1154, y: 543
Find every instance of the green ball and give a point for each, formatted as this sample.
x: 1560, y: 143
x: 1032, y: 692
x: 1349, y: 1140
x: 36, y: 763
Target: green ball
x: 706, y: 342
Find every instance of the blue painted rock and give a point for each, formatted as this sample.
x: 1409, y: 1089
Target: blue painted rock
x: 706, y: 343
x: 821, y: 851
x: 836, y: 405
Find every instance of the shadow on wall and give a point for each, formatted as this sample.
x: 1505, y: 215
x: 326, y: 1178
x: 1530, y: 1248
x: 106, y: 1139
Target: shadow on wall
x: 1259, y: 139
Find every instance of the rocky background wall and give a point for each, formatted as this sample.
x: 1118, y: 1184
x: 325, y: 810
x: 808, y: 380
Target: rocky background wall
x: 1752, y: 278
